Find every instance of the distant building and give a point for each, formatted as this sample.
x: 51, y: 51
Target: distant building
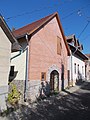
x: 7, y: 44
x: 76, y: 60
x: 44, y: 56
x: 88, y: 67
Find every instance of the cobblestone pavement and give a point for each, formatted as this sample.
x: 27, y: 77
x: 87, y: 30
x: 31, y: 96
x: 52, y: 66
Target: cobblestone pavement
x: 72, y: 104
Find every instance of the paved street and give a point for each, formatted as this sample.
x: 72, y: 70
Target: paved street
x: 68, y: 105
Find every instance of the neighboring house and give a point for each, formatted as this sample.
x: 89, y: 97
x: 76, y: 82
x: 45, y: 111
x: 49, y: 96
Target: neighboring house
x: 88, y: 67
x: 44, y: 56
x: 7, y: 43
x: 76, y: 61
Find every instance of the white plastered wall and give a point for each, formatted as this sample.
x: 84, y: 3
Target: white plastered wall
x: 19, y: 64
x: 81, y: 64
x: 5, y: 54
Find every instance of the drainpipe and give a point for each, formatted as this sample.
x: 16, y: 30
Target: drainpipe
x: 26, y: 72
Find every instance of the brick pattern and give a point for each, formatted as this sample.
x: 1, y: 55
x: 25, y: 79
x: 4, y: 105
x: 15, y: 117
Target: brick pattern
x: 44, y: 58
x: 43, y: 51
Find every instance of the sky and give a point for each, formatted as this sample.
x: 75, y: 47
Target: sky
x: 74, y: 15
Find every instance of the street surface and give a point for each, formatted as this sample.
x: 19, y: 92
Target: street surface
x: 67, y: 105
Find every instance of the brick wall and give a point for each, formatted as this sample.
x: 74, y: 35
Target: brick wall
x: 43, y: 51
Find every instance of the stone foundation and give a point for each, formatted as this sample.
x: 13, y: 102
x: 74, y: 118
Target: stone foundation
x: 33, y: 89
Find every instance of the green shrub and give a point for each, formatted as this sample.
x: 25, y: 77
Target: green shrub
x: 14, y: 95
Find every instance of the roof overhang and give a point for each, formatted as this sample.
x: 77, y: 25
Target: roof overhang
x: 34, y: 31
x: 9, y: 34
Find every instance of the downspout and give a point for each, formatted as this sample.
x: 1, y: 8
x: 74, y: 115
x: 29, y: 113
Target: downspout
x: 26, y: 72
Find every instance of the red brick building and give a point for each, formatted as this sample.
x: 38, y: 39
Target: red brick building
x: 46, y: 54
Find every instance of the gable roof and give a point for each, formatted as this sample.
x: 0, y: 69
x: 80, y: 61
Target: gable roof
x: 77, y: 52
x: 72, y: 39
x: 7, y: 31
x: 32, y: 28
x: 70, y: 36
x: 28, y: 29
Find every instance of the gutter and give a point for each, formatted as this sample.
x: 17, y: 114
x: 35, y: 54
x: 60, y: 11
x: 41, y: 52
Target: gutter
x: 20, y: 52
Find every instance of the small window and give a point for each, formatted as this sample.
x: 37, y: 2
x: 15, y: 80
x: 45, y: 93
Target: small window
x: 75, y: 68
x: 78, y: 69
x: 43, y: 76
x: 59, y: 45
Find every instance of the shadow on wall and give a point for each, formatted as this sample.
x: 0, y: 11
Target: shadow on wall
x: 79, y: 78
x: 12, y: 76
x: 62, y: 77
x: 44, y: 89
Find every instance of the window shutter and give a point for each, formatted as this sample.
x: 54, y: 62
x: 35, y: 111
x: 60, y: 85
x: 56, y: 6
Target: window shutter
x: 59, y: 46
x: 43, y: 76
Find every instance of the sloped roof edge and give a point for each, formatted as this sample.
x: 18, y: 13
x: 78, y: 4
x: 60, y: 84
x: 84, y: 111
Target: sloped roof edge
x: 9, y: 34
x: 6, y: 29
x: 49, y: 18
x: 58, y: 19
x: 86, y: 58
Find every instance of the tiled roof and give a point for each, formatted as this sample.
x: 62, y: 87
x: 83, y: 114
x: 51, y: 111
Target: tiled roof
x: 30, y: 27
x: 35, y: 26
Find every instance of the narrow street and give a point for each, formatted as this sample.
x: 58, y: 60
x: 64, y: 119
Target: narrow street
x: 73, y: 106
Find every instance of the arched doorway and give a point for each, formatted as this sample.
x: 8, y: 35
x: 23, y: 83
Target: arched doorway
x: 54, y: 80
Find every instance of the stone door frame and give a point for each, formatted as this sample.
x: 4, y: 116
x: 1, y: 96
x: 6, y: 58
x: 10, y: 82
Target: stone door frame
x: 52, y: 68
